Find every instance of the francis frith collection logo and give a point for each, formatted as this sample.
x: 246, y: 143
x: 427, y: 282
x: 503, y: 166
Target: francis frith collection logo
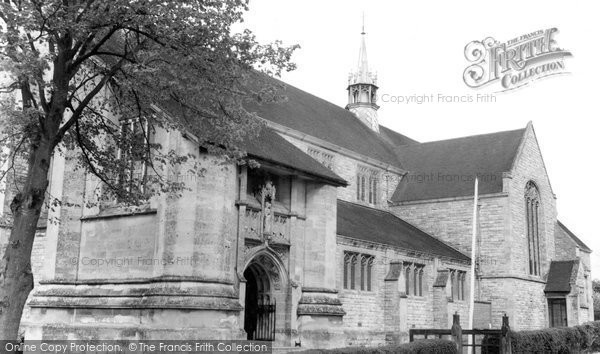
x: 514, y: 63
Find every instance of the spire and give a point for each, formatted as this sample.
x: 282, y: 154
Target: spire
x: 363, y: 64
x: 362, y: 74
x: 363, y: 27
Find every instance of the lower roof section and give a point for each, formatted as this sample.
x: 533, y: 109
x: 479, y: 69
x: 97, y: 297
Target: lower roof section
x: 560, y: 276
x: 270, y: 147
x: 374, y: 225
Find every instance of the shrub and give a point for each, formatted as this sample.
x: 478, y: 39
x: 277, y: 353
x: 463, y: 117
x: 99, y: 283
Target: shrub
x: 578, y: 339
x: 425, y: 346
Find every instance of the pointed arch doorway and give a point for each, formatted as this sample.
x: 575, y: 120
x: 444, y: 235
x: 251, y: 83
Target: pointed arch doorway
x: 259, y: 314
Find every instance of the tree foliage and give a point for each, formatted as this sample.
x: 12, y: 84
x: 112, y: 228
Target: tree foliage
x: 74, y: 69
x: 81, y: 63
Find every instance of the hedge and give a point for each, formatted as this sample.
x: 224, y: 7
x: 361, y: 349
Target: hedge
x: 584, y: 338
x: 425, y: 346
x: 578, y: 339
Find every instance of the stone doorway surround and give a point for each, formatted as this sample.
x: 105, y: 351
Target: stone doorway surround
x: 265, y: 279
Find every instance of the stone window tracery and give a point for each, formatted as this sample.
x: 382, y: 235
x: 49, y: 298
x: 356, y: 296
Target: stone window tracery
x: 532, y: 211
x: 407, y: 272
x: 413, y: 274
x: 457, y: 284
x: 358, y: 270
x: 347, y: 264
x: 367, y: 183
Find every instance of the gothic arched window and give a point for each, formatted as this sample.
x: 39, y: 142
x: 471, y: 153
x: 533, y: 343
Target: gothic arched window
x: 373, y: 190
x: 369, y: 270
x: 407, y: 278
x: 347, y: 265
x: 413, y: 277
x: 421, y: 282
x: 532, y: 212
x: 457, y: 284
x: 367, y: 185
x: 357, y: 271
x: 355, y: 94
x: 363, y: 269
x: 353, y: 264
x: 350, y: 265
x: 416, y: 281
x: 362, y: 189
x: 463, y: 277
x: 366, y: 267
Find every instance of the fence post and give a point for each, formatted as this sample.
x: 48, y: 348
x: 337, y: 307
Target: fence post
x: 456, y: 331
x: 505, y: 344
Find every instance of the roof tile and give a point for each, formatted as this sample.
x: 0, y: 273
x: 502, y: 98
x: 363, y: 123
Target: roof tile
x: 271, y: 147
x: 324, y: 120
x: 447, y: 168
x: 373, y: 225
x: 560, y: 276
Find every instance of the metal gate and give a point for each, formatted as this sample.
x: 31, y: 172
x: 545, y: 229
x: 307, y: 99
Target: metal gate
x: 265, y: 320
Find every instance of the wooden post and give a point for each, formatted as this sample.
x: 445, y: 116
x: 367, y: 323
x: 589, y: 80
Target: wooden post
x: 505, y: 344
x: 456, y: 331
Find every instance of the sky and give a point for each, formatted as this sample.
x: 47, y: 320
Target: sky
x: 417, y: 48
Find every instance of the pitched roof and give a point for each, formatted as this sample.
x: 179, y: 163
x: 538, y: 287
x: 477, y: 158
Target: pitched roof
x: 560, y: 276
x: 394, y: 137
x: 447, y: 168
x: 562, y: 228
x: 369, y: 224
x: 321, y: 119
x: 271, y: 147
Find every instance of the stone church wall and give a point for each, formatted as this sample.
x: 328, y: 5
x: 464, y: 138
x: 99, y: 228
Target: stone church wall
x: 348, y: 167
x: 565, y: 246
x: 452, y: 222
x: 567, y: 249
x: 201, y: 226
x: 584, y: 288
x: 530, y: 167
x: 175, y: 238
x: 367, y: 311
x: 584, y: 258
x: 503, y: 240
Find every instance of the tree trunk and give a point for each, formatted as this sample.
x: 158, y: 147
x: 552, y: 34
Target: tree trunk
x: 16, y: 278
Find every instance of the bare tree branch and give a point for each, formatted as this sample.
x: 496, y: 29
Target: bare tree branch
x: 83, y: 105
x: 77, y: 62
x: 91, y: 165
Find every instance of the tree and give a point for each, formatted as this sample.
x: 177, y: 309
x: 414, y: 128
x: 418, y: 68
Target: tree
x: 72, y: 66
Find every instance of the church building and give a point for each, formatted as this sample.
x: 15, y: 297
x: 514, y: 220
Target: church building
x: 347, y: 233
